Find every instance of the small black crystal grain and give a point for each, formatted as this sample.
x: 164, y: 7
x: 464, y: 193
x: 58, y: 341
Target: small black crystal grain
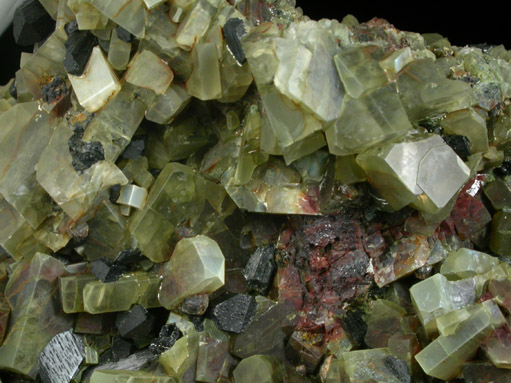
x: 354, y: 324
x: 106, y: 271
x: 71, y: 27
x: 504, y: 169
x: 260, y: 269
x: 121, y: 348
x: 460, y: 144
x: 169, y: 334
x: 84, y: 153
x: 79, y: 46
x: 13, y: 91
x: 398, y: 368
x: 129, y: 257
x: 134, y: 149
x: 234, y: 30
x: 54, y: 90
x: 31, y: 23
x: 136, y: 323
x: 195, y: 305
x: 123, y: 34
x: 235, y: 314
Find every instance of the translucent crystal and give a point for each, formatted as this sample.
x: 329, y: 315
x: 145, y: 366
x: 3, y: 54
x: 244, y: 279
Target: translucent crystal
x: 287, y: 121
x: 196, y: 23
x: 396, y: 61
x: 366, y: 366
x: 374, y: 118
x: 465, y: 263
x: 308, y: 78
x: 177, y: 141
x: 404, y: 257
x: 87, y: 16
x: 36, y: 314
x: 25, y: 133
x: 443, y: 358
x: 204, y: 82
x: 127, y: 376
x: 98, y: 84
x: 268, y: 320
x: 150, y: 4
x: 212, y: 357
x: 71, y: 292
x: 273, y: 188
x: 132, y: 195
x: 118, y: 52
x: 168, y: 105
x: 468, y: 123
x: 258, y: 368
x: 108, y: 233
x: 197, y: 266
x: 130, y: 14
x: 146, y: 70
x: 436, y: 296
x: 14, y: 230
x: 499, y: 194
x: 347, y: 170
x: 500, y: 240
x: 425, y: 91
x: 116, y: 123
x: 384, y: 321
x: 136, y: 288
x: 408, y: 172
x: 181, y: 356
x: 75, y: 193
x: 178, y: 196
x: 359, y: 69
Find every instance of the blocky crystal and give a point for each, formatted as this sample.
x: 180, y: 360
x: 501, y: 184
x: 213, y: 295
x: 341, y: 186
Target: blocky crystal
x: 197, y: 266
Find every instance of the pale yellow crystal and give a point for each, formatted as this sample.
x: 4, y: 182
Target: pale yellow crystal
x: 197, y: 266
x: 205, y: 83
x: 146, y: 70
x: 98, y: 84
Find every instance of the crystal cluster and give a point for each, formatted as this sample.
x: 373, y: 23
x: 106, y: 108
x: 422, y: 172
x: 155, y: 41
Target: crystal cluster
x: 229, y: 192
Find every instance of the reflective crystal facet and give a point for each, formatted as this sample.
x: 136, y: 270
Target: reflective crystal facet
x: 197, y: 266
x: 98, y: 84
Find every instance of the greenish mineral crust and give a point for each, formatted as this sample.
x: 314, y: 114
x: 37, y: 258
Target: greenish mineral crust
x: 334, y: 195
x: 197, y: 266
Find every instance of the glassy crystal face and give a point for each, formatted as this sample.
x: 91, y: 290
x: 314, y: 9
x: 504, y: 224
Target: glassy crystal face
x: 197, y: 266
x: 97, y: 84
x: 426, y: 173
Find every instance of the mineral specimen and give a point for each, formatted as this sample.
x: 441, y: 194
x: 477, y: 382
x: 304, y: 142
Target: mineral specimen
x: 225, y: 191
